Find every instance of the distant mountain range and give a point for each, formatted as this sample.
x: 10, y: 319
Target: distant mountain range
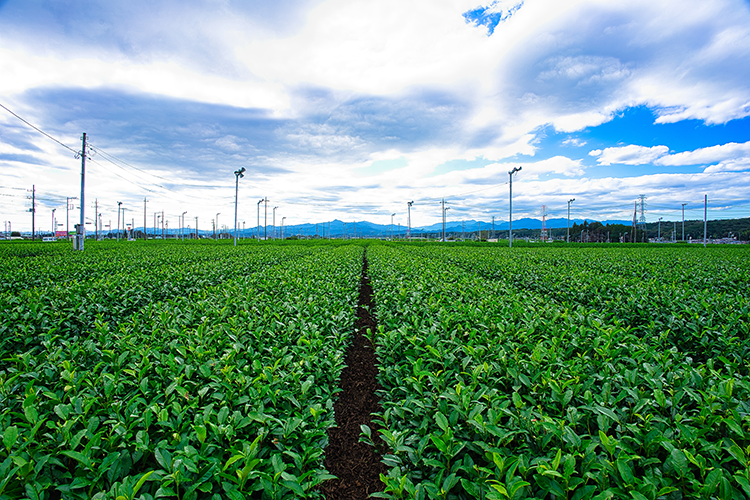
x: 337, y: 228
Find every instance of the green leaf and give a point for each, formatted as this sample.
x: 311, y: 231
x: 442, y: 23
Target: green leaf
x: 743, y: 483
x: 607, y: 412
x: 294, y: 486
x: 140, y: 482
x: 441, y: 421
x: 626, y: 472
x: 10, y: 436
x: 679, y: 462
x: 231, y: 461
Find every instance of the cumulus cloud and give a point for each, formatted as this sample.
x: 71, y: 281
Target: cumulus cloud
x: 707, y: 155
x: 737, y: 165
x: 629, y: 155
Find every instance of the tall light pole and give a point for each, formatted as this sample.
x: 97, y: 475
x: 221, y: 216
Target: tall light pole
x: 567, y: 239
x: 282, y: 227
x: 237, y: 174
x: 182, y: 229
x: 392, y: 226
x: 683, y: 221
x: 265, y: 221
x: 119, y: 204
x: 53, y: 222
x: 216, y: 225
x: 258, y: 235
x: 274, y: 222
x: 408, y: 219
x: 658, y: 237
x: 705, y: 218
x: 510, y: 211
x: 442, y: 209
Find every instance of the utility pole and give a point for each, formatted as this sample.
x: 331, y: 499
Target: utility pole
x: 705, y: 218
x: 408, y: 219
x: 53, y: 222
x: 282, y: 228
x: 83, y: 193
x: 683, y: 221
x: 510, y: 201
x: 392, y: 226
x: 145, y: 233
x: 567, y: 238
x: 119, y: 204
x: 258, y: 235
x: 163, y: 236
x: 493, y: 226
x: 96, y: 226
x: 196, y: 227
x: 182, y: 229
x: 124, y: 224
x: 33, y: 212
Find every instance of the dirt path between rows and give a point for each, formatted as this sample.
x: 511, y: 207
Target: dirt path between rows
x: 356, y: 465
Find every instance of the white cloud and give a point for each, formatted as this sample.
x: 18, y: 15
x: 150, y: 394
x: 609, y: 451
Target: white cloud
x: 575, y: 142
x: 629, y: 155
x: 736, y: 165
x: 710, y: 154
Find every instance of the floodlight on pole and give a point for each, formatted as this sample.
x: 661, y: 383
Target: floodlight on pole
x: 258, y: 235
x: 567, y: 239
x: 119, y: 204
x: 274, y: 223
x: 237, y: 174
x: 658, y: 237
x: 408, y: 219
x: 510, y: 210
x: 683, y: 221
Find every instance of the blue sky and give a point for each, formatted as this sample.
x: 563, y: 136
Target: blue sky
x: 349, y: 109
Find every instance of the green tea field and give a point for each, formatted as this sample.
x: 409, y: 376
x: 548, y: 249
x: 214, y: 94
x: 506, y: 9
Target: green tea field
x: 205, y: 371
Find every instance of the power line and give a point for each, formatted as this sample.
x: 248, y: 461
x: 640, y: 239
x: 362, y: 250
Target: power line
x: 39, y: 130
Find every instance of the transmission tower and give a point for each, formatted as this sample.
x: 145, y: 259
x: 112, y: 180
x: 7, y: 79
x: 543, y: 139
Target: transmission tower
x: 642, y: 217
x: 544, y: 223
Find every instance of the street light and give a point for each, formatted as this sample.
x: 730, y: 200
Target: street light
x: 510, y: 198
x: 119, y: 203
x: 569, y: 202
x: 274, y: 222
x: 259, y: 202
x: 445, y: 209
x: 408, y: 219
x: 659, y: 233
x: 237, y: 174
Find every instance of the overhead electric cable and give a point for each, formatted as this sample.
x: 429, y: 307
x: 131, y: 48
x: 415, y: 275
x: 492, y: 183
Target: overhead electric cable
x: 39, y: 130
